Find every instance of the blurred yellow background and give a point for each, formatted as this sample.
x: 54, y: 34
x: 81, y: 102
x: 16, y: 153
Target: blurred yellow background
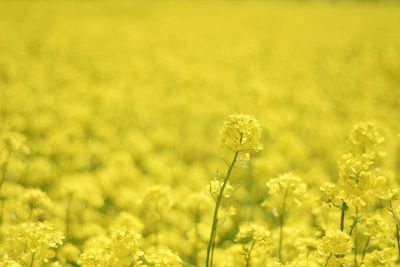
x: 116, y: 97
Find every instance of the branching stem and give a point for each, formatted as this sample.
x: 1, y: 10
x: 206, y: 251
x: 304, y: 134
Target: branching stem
x: 214, y: 226
x: 248, y: 257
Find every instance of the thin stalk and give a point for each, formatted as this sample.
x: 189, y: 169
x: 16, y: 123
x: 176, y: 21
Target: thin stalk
x: 32, y: 260
x: 281, y: 223
x: 396, y: 222
x: 343, y: 209
x: 352, y: 228
x: 398, y: 242
x: 365, y: 250
x: 355, y: 238
x: 248, y: 258
x: 214, y: 226
x: 342, y: 220
x: 327, y: 260
x: 213, y: 246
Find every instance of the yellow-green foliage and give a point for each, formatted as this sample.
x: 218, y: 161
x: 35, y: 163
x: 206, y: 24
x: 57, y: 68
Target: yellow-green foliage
x: 113, y: 149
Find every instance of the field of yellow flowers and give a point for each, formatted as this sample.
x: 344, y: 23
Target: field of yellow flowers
x: 199, y: 133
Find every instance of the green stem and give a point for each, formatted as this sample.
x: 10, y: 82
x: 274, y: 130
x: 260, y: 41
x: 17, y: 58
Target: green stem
x: 396, y: 221
x: 327, y: 260
x: 214, y: 226
x: 342, y: 220
x: 365, y: 250
x: 248, y: 258
x: 355, y: 238
x: 281, y: 223
x: 343, y: 209
x: 32, y: 260
x: 398, y: 242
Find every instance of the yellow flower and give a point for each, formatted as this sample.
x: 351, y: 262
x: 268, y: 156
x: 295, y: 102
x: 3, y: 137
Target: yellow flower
x: 241, y: 133
x: 164, y: 257
x: 365, y: 137
x: 9, y: 263
x: 252, y: 232
x: 214, y: 187
x: 92, y: 258
x: 335, y: 242
x: 332, y: 193
x: 381, y: 258
x: 124, y: 247
x: 287, y: 185
x: 122, y: 250
x: 33, y: 242
x: 358, y: 178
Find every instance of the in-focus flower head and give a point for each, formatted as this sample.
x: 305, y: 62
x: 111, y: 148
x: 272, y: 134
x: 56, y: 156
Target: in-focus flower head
x: 241, y: 133
x: 359, y: 178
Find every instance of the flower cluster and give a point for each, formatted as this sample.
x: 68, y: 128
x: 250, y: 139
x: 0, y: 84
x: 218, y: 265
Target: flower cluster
x: 287, y: 187
x: 254, y: 239
x: 335, y: 242
x: 360, y: 178
x: 241, y: 133
x: 33, y: 243
x: 164, y: 258
x: 122, y: 250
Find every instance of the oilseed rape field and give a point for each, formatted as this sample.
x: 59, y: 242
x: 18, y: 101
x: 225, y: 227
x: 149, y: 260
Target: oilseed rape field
x: 199, y: 133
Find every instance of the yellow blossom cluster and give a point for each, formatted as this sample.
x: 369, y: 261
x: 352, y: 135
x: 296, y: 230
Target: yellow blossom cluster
x: 241, y: 133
